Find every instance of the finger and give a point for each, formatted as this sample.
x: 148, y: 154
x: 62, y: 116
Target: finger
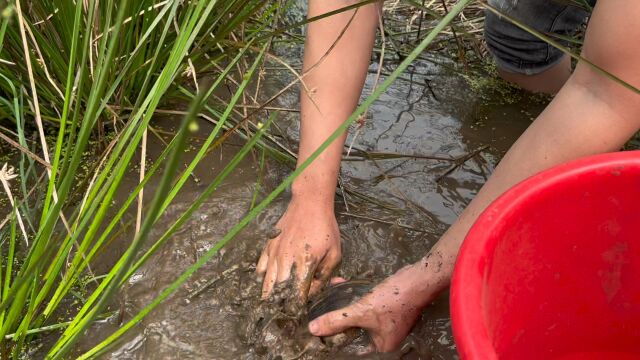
x: 334, y: 322
x: 263, y: 262
x: 304, y: 279
x: 316, y: 287
x: 325, y: 268
x: 269, y: 278
x: 284, y: 269
x: 323, y: 273
x: 318, y: 284
x: 261, y: 268
x: 337, y: 280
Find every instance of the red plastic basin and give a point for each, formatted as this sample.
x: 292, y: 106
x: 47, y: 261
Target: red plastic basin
x: 551, y: 270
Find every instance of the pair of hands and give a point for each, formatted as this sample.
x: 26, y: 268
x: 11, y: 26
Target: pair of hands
x: 309, y: 246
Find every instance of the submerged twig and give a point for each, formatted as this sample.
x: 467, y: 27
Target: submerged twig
x: 460, y: 161
x: 400, y: 193
x: 344, y: 195
x: 212, y: 282
x: 395, y: 223
x: 372, y: 200
x: 25, y: 150
x: 380, y: 155
x: 461, y: 56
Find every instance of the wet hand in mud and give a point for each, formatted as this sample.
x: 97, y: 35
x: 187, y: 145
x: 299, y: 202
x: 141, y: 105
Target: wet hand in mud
x: 388, y: 312
x: 276, y: 330
x: 309, y: 249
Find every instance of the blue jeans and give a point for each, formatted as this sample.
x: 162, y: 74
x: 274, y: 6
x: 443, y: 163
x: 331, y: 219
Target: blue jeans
x: 516, y: 50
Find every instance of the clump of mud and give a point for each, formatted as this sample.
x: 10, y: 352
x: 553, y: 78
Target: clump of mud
x: 277, y: 328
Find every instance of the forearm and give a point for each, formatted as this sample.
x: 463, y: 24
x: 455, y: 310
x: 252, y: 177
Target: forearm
x: 575, y: 124
x: 591, y: 114
x: 335, y: 68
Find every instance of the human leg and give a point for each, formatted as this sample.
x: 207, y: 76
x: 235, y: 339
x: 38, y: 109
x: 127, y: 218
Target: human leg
x: 521, y: 57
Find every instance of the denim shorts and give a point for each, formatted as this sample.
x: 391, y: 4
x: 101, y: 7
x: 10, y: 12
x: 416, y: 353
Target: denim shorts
x: 516, y: 50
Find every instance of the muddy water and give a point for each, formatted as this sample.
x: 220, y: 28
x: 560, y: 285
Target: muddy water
x: 390, y: 213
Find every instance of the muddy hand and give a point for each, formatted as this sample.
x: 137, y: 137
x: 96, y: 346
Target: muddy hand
x: 388, y: 313
x: 308, y: 243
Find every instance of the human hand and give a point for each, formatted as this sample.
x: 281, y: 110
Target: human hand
x: 388, y: 313
x: 309, y: 240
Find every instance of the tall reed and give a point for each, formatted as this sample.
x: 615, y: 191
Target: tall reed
x: 78, y: 70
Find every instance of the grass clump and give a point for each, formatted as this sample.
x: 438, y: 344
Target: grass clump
x: 81, y: 79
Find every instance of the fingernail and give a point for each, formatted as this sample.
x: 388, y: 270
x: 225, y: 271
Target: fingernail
x: 313, y: 327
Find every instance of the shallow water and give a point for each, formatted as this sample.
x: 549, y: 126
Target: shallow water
x: 206, y: 318
x: 390, y: 213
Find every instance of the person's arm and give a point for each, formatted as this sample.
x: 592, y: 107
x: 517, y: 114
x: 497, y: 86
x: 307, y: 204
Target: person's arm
x: 591, y: 114
x: 335, y: 68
